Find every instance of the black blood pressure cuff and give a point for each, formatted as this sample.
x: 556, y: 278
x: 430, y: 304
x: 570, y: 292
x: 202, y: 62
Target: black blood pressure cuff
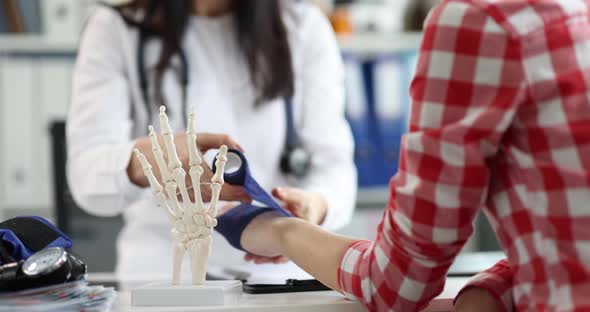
x: 234, y: 222
x: 23, y: 236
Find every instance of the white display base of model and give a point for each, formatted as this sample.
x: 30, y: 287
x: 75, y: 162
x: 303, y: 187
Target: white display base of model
x: 211, y: 293
x: 192, y: 222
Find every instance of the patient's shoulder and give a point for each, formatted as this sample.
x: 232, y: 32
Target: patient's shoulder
x: 522, y: 17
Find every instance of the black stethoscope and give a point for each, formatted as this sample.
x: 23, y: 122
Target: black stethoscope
x: 295, y: 159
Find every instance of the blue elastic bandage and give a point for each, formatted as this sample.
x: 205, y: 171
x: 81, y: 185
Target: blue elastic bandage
x: 232, y: 224
x: 23, y: 236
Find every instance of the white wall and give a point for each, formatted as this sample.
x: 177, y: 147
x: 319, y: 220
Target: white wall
x: 33, y: 92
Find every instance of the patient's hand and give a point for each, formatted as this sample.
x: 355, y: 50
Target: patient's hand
x: 309, y: 206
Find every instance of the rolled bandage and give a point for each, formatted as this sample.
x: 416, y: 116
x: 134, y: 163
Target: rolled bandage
x: 232, y: 223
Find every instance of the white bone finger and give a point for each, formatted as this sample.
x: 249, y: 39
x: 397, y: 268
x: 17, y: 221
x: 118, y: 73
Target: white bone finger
x: 173, y: 160
x: 157, y: 189
x: 195, y: 161
x: 179, y: 176
x: 215, y: 191
x: 170, y: 188
x: 217, y: 180
x: 220, y: 161
x: 159, y: 156
x: 174, y: 163
x: 195, y: 173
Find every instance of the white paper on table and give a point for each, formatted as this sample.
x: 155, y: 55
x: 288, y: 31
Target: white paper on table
x: 267, y: 274
x: 473, y: 263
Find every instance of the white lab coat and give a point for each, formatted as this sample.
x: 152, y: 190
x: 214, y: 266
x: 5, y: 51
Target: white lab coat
x: 108, y: 113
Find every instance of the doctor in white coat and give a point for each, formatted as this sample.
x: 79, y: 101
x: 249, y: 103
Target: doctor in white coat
x: 237, y: 63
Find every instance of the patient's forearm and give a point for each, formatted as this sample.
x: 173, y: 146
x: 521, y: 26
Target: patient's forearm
x: 313, y: 249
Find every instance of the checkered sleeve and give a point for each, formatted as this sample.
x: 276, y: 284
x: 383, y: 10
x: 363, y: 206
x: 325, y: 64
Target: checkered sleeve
x: 497, y: 280
x: 467, y: 89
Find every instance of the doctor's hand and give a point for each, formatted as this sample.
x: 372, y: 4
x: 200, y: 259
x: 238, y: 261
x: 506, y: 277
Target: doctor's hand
x: 205, y: 142
x: 310, y: 206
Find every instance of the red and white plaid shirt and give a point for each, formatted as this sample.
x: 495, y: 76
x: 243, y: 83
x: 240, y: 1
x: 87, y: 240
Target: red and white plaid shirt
x: 501, y: 122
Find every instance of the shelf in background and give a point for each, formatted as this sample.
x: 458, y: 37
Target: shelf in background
x: 34, y: 44
x: 376, y: 43
x: 364, y: 44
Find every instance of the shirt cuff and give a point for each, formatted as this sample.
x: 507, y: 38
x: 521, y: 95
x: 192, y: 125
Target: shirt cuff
x: 349, y: 279
x: 497, y: 281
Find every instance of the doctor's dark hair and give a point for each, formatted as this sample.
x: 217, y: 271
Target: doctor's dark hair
x: 261, y: 35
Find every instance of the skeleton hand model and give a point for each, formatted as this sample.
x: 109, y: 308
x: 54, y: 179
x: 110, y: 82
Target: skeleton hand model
x: 192, y: 222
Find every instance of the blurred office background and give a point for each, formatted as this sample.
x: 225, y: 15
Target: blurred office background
x: 379, y: 40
